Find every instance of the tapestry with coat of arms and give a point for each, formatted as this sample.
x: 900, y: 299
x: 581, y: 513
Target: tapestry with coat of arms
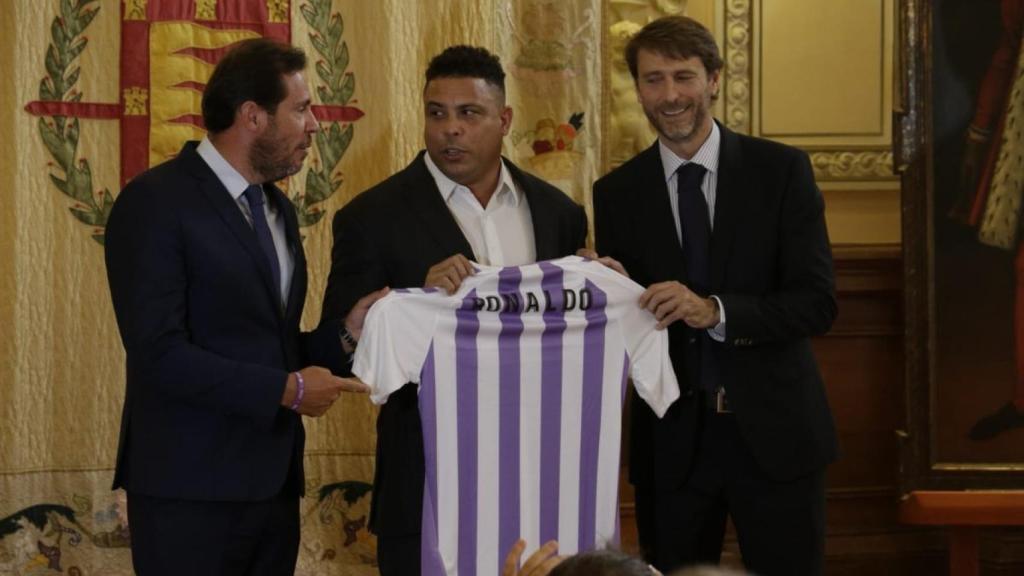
x: 100, y: 90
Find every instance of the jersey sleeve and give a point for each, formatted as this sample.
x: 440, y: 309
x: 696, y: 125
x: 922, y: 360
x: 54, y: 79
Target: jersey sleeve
x: 396, y: 335
x: 647, y: 347
x: 650, y: 365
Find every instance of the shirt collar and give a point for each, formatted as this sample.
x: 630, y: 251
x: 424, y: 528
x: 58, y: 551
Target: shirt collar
x: 447, y: 186
x: 234, y: 182
x: 706, y: 156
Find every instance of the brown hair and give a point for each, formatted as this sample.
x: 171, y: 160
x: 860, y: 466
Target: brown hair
x: 251, y: 70
x: 675, y: 37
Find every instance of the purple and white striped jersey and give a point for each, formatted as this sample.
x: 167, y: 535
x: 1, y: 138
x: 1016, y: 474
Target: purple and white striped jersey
x: 522, y: 377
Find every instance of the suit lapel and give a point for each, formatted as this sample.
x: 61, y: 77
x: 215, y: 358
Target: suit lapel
x: 545, y: 224
x: 229, y: 212
x: 297, y: 290
x: 657, y: 209
x: 426, y: 203
x: 727, y: 198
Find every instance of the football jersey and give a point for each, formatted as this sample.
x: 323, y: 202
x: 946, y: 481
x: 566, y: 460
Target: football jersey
x: 522, y: 376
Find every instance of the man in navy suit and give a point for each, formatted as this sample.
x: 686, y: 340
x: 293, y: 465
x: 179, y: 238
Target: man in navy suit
x: 208, y: 280
x: 728, y: 234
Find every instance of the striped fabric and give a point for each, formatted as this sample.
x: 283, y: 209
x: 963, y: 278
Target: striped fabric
x: 522, y: 376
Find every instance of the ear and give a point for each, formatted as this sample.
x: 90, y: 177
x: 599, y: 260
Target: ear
x: 506, y: 120
x: 713, y: 80
x: 251, y: 116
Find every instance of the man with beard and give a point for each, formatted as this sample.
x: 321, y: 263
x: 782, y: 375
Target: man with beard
x: 458, y: 201
x: 208, y: 280
x: 728, y: 234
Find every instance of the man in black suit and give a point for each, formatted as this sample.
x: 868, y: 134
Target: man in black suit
x: 208, y: 279
x: 458, y: 201
x: 728, y: 234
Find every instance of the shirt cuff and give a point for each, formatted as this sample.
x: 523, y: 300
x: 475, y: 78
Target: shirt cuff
x: 718, y: 332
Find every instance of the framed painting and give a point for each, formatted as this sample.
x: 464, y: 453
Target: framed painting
x: 959, y: 147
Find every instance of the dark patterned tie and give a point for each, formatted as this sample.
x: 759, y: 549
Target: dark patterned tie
x: 254, y: 195
x: 696, y: 226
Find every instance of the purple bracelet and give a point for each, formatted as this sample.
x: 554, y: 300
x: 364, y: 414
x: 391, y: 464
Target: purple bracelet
x: 299, y: 393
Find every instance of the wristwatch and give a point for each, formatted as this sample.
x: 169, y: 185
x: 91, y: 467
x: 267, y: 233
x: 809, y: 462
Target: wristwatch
x: 347, y: 338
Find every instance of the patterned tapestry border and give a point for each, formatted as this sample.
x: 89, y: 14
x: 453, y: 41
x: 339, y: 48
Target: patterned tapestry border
x: 71, y: 523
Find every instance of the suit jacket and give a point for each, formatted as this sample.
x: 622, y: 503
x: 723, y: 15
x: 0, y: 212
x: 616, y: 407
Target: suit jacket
x: 391, y: 235
x: 771, y: 266
x: 207, y: 343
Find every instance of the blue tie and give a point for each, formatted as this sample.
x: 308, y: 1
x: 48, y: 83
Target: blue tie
x: 254, y: 195
x: 696, y: 225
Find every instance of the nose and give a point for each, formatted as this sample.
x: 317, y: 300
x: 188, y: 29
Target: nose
x: 452, y: 127
x: 673, y: 90
x: 312, y: 124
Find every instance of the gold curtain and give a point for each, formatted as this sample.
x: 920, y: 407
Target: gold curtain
x: 61, y: 360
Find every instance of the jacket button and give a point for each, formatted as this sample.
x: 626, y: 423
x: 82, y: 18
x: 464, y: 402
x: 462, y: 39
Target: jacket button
x: 692, y: 340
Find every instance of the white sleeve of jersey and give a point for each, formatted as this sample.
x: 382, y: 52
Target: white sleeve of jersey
x: 647, y: 347
x: 650, y: 366
x: 396, y: 336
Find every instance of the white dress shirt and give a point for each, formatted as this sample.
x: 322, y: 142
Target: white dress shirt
x: 501, y: 233
x: 706, y: 156
x: 236, y: 184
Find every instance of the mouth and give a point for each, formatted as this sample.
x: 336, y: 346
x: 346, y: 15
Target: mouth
x: 452, y: 153
x: 675, y: 111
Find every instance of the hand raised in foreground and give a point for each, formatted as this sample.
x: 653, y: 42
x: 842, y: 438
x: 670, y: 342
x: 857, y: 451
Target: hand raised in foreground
x: 540, y: 563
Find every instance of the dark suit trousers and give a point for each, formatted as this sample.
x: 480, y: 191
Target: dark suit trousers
x: 175, y: 537
x: 780, y: 525
x: 398, y: 555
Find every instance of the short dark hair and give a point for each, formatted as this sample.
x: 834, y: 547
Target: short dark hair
x: 602, y: 563
x: 251, y: 70
x: 675, y: 37
x: 463, y: 61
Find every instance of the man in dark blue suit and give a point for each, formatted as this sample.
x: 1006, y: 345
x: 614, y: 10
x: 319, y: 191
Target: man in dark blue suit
x: 208, y: 280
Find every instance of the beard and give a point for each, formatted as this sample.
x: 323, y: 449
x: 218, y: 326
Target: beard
x: 678, y: 131
x: 271, y: 158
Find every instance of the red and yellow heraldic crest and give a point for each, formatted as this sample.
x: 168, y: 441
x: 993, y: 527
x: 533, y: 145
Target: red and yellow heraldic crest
x: 169, y: 48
